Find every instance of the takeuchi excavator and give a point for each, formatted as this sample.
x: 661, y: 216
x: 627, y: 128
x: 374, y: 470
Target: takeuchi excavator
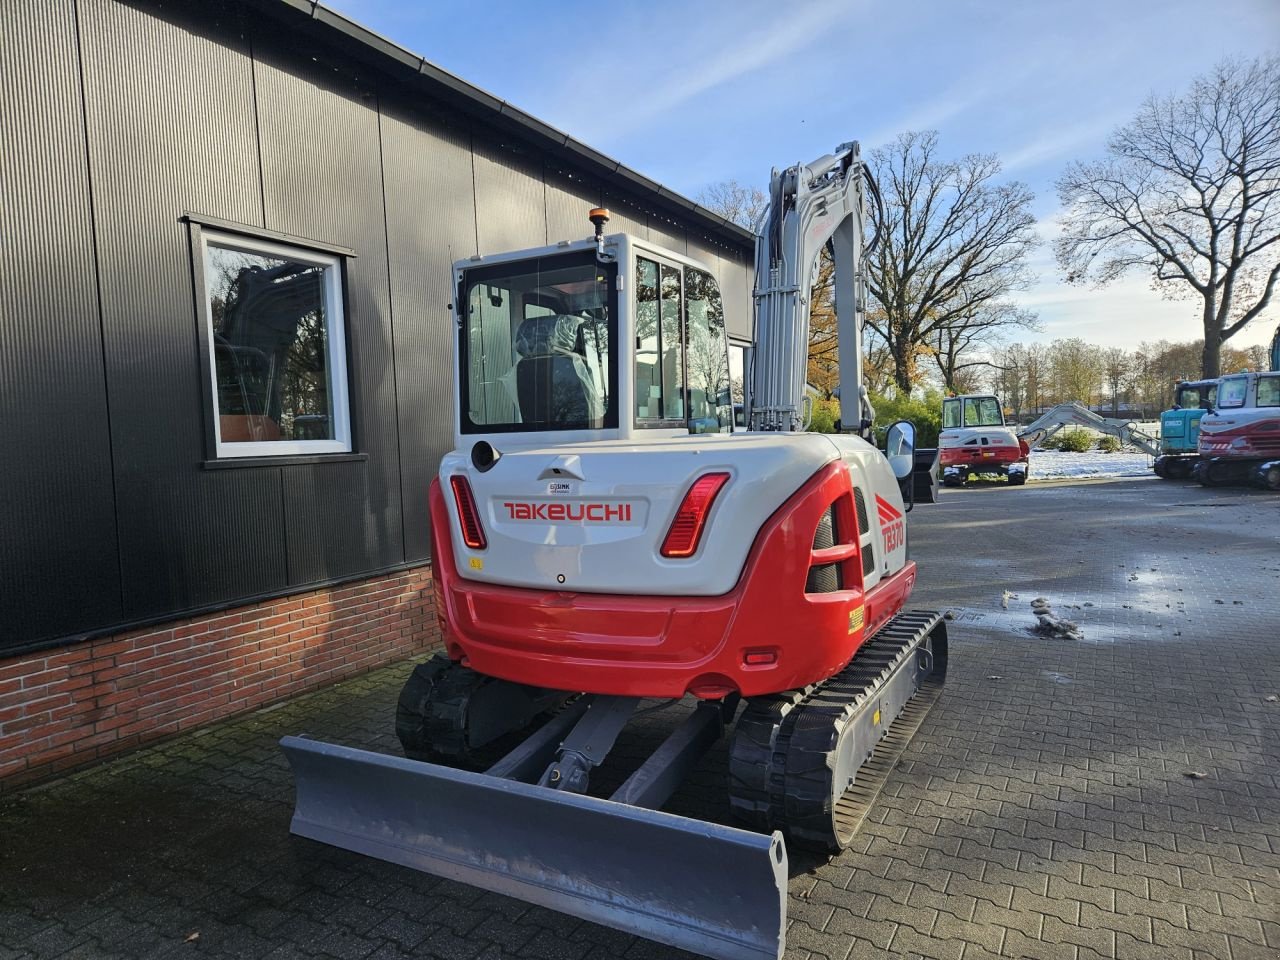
x: 602, y: 536
x: 1240, y: 434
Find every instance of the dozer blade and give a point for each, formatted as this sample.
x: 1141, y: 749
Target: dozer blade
x: 703, y: 887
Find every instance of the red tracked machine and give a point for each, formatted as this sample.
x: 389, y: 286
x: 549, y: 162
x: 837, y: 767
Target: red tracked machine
x: 602, y: 535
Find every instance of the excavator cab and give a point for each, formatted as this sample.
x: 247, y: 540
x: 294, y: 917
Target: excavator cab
x: 975, y: 441
x: 1180, y: 428
x: 587, y: 341
x: 968, y: 412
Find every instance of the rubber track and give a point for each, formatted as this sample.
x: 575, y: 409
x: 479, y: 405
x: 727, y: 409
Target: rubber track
x: 778, y: 767
x: 431, y: 713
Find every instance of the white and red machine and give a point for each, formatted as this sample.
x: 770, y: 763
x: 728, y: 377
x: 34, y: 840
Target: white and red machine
x: 975, y: 440
x: 1240, y: 436
x: 601, y: 536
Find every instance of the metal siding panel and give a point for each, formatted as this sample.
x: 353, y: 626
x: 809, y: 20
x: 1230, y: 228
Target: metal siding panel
x: 701, y: 250
x: 431, y: 221
x: 736, y: 291
x: 59, y: 538
x: 171, y: 128
x: 322, y: 178
x: 570, y: 197
x: 511, y: 207
x: 625, y: 216
x: 332, y: 511
x: 667, y: 232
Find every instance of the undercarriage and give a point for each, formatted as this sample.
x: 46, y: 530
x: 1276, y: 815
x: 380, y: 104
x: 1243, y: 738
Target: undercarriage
x: 804, y: 764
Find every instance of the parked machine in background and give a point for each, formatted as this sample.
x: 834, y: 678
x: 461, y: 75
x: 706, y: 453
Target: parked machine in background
x: 1180, y: 428
x: 1240, y: 436
x: 1078, y: 415
x: 975, y: 440
x: 600, y: 536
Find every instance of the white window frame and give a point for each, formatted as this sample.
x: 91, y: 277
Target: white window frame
x: 335, y: 348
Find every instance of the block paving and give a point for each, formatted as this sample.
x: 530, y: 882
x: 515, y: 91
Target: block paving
x: 1111, y: 797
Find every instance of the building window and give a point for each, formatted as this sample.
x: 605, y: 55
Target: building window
x: 277, y: 349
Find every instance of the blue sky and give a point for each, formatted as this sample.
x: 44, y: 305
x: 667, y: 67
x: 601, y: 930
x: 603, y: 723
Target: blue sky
x: 691, y: 92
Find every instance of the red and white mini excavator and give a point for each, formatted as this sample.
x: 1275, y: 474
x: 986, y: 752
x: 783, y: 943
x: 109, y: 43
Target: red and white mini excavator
x: 1240, y: 435
x: 603, y: 535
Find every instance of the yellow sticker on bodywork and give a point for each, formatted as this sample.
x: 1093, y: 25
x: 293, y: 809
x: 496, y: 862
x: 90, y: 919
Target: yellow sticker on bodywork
x: 855, y: 619
x: 476, y: 563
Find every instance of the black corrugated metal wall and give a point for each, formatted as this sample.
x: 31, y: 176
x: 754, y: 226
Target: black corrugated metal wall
x: 121, y: 117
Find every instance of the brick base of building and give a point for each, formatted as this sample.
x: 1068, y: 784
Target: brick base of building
x: 66, y: 708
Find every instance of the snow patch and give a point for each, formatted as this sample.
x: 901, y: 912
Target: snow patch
x: 1058, y: 465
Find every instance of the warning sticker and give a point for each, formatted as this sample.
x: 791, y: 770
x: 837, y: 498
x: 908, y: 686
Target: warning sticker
x: 855, y: 619
x: 476, y: 563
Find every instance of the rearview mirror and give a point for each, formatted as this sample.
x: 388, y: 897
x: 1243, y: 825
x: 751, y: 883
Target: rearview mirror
x: 900, y: 448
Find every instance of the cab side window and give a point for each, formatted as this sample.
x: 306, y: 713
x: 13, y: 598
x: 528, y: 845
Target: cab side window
x: 671, y: 344
x: 648, y: 370
x: 682, y: 349
x: 710, y: 402
x: 1269, y: 391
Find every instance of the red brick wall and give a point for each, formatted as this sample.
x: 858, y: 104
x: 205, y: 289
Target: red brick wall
x: 67, y: 707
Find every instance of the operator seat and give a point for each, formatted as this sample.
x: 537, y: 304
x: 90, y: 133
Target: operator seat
x: 553, y: 383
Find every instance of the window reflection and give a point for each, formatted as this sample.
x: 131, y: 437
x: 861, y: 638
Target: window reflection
x: 270, y: 347
x: 710, y: 399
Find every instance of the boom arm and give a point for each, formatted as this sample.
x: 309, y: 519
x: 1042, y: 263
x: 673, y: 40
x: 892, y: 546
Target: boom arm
x: 810, y: 205
x: 1069, y: 413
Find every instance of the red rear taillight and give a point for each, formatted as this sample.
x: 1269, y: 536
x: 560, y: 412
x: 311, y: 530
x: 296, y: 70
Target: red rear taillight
x: 468, y: 515
x: 686, y: 529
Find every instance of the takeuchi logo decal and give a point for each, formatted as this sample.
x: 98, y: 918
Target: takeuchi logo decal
x: 891, y: 524
x: 577, y: 512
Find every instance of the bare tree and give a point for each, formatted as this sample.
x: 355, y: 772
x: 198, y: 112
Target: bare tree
x: 1009, y: 377
x: 1189, y: 192
x: 1116, y: 363
x: 734, y: 201
x: 1077, y: 370
x: 963, y: 348
x: 1258, y: 357
x: 953, y: 242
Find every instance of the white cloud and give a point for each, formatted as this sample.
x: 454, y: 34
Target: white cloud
x: 1057, y: 142
x: 686, y: 66
x: 930, y: 115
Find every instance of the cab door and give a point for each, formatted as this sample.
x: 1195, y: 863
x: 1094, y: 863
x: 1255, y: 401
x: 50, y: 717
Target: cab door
x: 682, y: 348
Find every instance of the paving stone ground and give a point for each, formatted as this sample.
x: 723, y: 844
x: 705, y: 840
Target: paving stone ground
x: 1045, y: 809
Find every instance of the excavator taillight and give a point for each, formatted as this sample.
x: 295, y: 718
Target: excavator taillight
x: 686, y: 529
x: 468, y: 515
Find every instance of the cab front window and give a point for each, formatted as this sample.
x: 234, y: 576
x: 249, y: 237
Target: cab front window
x: 982, y: 412
x: 1231, y: 392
